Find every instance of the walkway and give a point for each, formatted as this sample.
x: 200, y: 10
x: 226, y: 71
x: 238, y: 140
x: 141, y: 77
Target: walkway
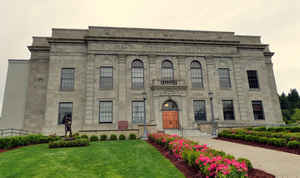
x: 280, y: 164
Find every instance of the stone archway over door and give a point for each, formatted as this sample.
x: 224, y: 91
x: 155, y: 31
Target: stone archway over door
x: 170, y: 115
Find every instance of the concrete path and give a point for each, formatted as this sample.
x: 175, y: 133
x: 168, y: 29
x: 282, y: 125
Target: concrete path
x: 280, y: 164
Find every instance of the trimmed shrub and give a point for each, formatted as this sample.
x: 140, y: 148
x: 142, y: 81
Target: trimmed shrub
x: 122, y: 137
x: 103, y: 137
x: 72, y: 143
x: 84, y: 136
x: 94, y: 138
x: 248, y: 163
x: 293, y: 144
x: 113, y: 137
x: 263, y: 128
x: 277, y: 129
x: 294, y: 129
x: 132, y: 136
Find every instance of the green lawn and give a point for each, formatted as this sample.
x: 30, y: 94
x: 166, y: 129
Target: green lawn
x: 114, y: 159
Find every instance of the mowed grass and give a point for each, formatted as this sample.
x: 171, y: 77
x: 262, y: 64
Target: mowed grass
x: 115, y: 159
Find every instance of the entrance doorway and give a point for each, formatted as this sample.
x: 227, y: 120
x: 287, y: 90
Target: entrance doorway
x: 170, y: 115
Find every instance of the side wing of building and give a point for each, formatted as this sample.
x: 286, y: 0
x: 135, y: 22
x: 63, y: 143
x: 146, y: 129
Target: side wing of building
x: 15, y: 95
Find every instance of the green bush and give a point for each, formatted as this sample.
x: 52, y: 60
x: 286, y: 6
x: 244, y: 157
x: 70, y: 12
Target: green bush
x: 277, y: 129
x: 293, y: 144
x: 84, y: 136
x: 294, y: 129
x: 132, y: 136
x: 71, y: 143
x: 248, y: 163
x: 103, y: 137
x: 263, y: 140
x: 263, y: 128
x: 94, y: 138
x: 122, y: 137
x: 113, y: 137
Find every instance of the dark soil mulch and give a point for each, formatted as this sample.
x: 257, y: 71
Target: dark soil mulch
x: 283, y: 149
x: 191, y: 172
x: 3, y: 150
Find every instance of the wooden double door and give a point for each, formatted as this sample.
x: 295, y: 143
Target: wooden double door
x: 170, y: 120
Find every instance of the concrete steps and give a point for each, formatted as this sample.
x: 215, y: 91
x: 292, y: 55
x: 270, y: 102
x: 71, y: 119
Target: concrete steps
x: 186, y: 132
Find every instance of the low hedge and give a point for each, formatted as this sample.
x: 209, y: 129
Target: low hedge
x: 122, y: 137
x: 71, y: 143
x: 103, y: 137
x: 113, y: 137
x: 280, y: 142
x: 15, y: 141
x: 94, y: 138
x: 132, y: 136
x: 293, y: 144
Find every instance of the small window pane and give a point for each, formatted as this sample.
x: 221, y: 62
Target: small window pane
x: 65, y: 109
x: 252, y: 79
x: 138, y: 111
x: 224, y: 77
x: 106, y: 77
x: 67, y: 79
x: 258, y: 111
x: 199, y: 110
x: 228, y: 110
x: 106, y: 112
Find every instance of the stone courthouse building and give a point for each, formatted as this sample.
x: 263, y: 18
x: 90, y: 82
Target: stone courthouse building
x: 176, y: 80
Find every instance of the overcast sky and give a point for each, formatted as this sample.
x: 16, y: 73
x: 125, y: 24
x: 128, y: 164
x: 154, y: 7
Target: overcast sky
x: 277, y: 21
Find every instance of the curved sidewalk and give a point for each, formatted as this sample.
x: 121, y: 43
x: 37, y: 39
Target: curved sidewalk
x: 280, y: 164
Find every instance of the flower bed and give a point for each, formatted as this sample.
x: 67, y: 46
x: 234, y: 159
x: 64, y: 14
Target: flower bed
x: 269, y: 137
x: 209, y: 162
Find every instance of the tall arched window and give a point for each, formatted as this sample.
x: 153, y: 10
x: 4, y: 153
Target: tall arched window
x: 167, y: 71
x: 137, y: 74
x: 196, y: 75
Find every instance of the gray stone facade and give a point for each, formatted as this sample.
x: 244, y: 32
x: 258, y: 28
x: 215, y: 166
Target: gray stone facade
x: 87, y: 50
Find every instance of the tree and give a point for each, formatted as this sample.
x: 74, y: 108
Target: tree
x: 293, y: 99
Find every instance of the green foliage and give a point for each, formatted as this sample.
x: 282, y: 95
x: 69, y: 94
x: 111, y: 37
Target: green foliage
x: 132, y: 136
x: 94, y: 138
x: 113, y: 137
x: 122, y: 137
x: 289, y: 106
x: 263, y: 128
x: 70, y: 143
x: 103, y: 137
x: 12, y: 142
x: 293, y: 144
x: 248, y: 163
x: 84, y: 136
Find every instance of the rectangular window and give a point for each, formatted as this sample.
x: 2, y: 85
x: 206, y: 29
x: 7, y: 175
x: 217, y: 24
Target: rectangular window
x: 106, y: 77
x: 196, y: 76
x: 258, y: 110
x: 224, y: 78
x: 137, y: 77
x: 67, y: 79
x: 252, y: 79
x: 199, y: 110
x: 228, y: 110
x: 64, y: 109
x: 105, y: 111
x: 138, y: 111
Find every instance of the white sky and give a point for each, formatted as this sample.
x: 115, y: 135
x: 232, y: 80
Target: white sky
x: 277, y: 21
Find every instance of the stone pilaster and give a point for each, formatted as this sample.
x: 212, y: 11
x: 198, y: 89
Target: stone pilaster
x: 122, y: 85
x: 90, y: 90
x: 240, y: 88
